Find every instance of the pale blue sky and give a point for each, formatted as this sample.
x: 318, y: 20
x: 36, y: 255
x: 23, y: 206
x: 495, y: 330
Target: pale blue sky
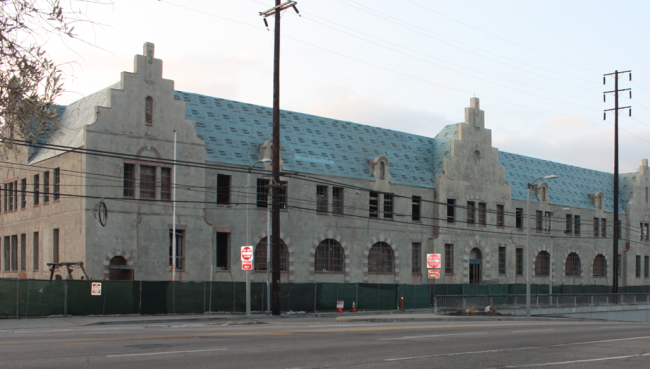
x: 409, y: 65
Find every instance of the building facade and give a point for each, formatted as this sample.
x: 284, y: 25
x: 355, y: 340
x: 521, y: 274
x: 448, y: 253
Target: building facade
x: 360, y: 203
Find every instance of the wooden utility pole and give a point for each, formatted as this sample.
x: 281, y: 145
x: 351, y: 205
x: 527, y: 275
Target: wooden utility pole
x: 276, y: 300
x: 617, y: 225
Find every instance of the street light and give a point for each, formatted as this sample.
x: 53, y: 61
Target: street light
x: 248, y: 206
x: 550, y: 281
x: 527, y: 258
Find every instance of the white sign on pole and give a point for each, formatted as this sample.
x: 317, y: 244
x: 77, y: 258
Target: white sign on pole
x: 96, y: 289
x: 247, y: 257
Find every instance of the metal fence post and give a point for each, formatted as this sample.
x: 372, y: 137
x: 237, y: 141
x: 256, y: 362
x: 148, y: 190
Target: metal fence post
x: 65, y: 298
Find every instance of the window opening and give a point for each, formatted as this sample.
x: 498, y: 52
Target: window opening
x: 388, y: 206
x: 260, y: 256
x: 600, y: 266
x: 262, y: 192
x: 603, y: 228
x: 337, y: 200
x: 35, y: 252
x: 451, y: 210
x: 542, y: 263
x: 14, y: 253
x: 596, y: 227
x: 572, y: 265
x: 55, y: 245
x: 23, y: 252
x: 502, y: 260
x: 373, y: 205
x: 382, y: 170
x: 23, y: 193
x: 46, y: 187
x: 519, y: 218
x: 416, y: 203
x: 569, y: 224
x: 380, y: 258
x: 321, y: 199
x: 646, y: 266
x: 576, y: 225
x: 57, y: 183
x: 148, y: 111
x: 482, y: 213
x: 471, y: 208
x: 147, y: 182
x: 180, y: 249
x: 165, y: 183
x: 449, y: 259
x: 638, y: 266
x: 129, y: 180
x: 223, y: 189
x: 222, y: 251
x: 416, y: 262
x: 538, y: 220
x: 547, y: 222
x: 329, y: 256
x: 519, y: 261
x: 501, y: 215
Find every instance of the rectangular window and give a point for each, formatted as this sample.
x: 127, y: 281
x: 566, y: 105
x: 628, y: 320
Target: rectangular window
x: 538, y: 220
x: 16, y: 195
x: 35, y: 253
x: 471, y: 210
x: 416, y: 203
x: 337, y: 200
x: 449, y: 259
x: 165, y: 183
x: 646, y: 266
x: 603, y: 227
x: 576, y: 225
x: 223, y: 189
x: 482, y: 213
x: 547, y: 222
x: 10, y: 189
x: 129, y: 180
x: 502, y: 260
x: 23, y: 252
x: 596, y: 227
x: 373, y: 205
x: 262, y: 192
x: 222, y: 251
x: 147, y: 182
x: 321, y: 199
x: 283, y: 199
x: 7, y: 253
x: 4, y: 197
x: 23, y: 193
x: 14, y: 253
x: 519, y: 256
x: 569, y: 224
x: 388, y: 206
x: 451, y: 211
x: 638, y: 267
x: 180, y: 249
x: 501, y: 213
x: 416, y: 263
x: 46, y: 187
x: 519, y: 218
x: 57, y: 183
x: 55, y: 245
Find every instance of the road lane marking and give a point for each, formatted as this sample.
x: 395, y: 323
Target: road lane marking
x: 574, y: 361
x: 534, y: 330
x: 517, y: 349
x: 348, y: 325
x: 430, y: 336
x: 166, y: 352
x: 83, y: 343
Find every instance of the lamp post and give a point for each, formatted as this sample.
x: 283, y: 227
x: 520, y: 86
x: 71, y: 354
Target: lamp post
x: 248, y: 206
x: 527, y: 258
x: 550, y: 280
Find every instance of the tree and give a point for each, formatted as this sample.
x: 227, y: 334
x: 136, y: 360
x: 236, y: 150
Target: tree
x: 29, y: 79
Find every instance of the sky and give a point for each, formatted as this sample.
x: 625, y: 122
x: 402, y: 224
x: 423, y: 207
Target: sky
x: 407, y: 65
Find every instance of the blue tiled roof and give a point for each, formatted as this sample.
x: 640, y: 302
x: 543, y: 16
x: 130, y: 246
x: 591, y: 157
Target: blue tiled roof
x: 233, y: 131
x: 573, y: 185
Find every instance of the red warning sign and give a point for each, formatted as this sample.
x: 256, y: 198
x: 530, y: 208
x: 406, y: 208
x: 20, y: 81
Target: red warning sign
x: 433, y: 261
x: 434, y: 274
x: 247, y: 257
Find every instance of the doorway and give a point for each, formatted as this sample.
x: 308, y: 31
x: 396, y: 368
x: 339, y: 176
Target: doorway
x: 475, y: 266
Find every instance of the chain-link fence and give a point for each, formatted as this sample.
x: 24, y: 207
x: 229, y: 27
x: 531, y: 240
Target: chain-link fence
x: 24, y: 298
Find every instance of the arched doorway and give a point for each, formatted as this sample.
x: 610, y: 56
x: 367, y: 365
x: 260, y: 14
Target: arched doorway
x: 475, y: 261
x: 118, y: 270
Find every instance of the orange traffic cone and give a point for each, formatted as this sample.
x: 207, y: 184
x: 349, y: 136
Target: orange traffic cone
x: 354, y: 307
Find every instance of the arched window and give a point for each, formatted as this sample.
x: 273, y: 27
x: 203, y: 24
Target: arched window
x: 380, y: 258
x: 382, y: 170
x: 260, y: 256
x: 543, y: 194
x: 148, y: 111
x: 542, y: 263
x: 329, y: 256
x: 572, y: 265
x: 600, y: 266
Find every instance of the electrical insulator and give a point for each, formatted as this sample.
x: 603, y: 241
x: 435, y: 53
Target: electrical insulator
x: 296, y: 9
x: 604, y: 80
x: 266, y: 24
x: 604, y: 116
x: 630, y: 111
x: 630, y: 76
x: 604, y: 98
x: 630, y: 94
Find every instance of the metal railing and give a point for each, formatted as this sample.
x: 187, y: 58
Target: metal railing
x: 514, y: 302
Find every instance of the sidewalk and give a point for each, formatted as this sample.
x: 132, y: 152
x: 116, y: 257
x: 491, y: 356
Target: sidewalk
x: 61, y: 322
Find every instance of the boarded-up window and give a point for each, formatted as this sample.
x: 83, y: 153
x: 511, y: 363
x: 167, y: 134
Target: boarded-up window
x: 519, y: 261
x: 223, y: 189
x: 147, y: 182
x: 542, y: 263
x: 148, y: 111
x: 416, y: 263
x: 416, y: 205
x: 502, y: 260
x: 600, y: 266
x: 373, y: 205
x: 129, y: 180
x: 572, y: 265
x: 165, y: 183
x: 321, y: 199
x: 337, y: 200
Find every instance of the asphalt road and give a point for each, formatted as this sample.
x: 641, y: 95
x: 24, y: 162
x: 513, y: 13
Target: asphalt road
x: 324, y: 343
